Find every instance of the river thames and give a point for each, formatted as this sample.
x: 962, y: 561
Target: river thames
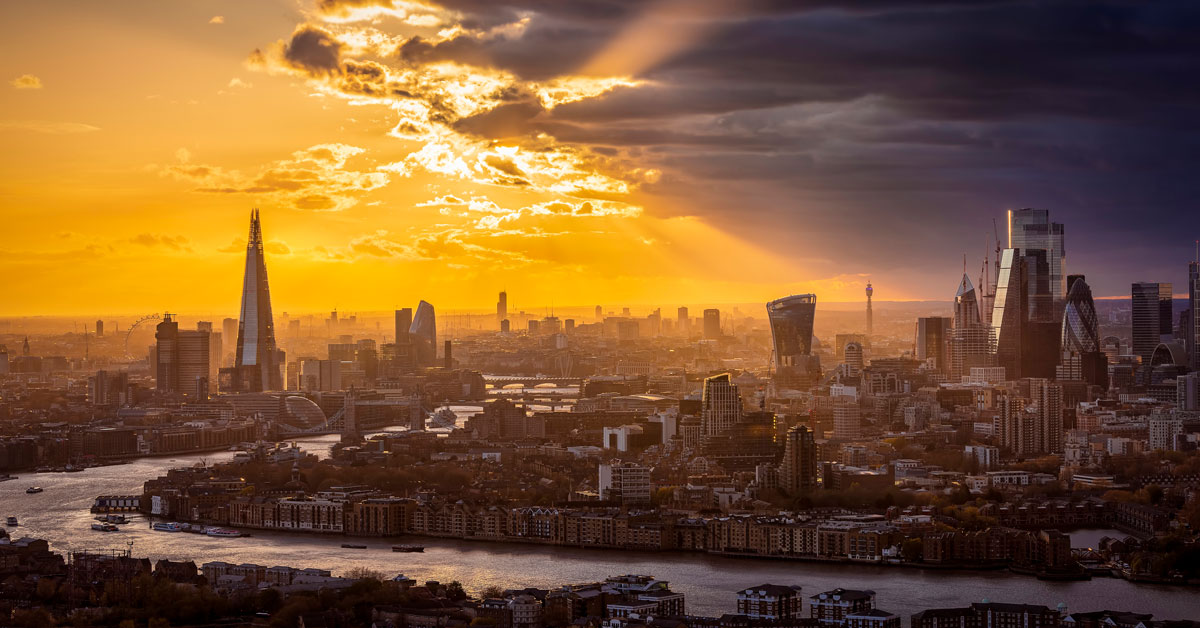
x: 61, y: 515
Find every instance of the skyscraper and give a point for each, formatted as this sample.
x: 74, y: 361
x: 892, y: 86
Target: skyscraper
x: 720, y: 406
x: 682, y: 322
x: 870, y: 315
x: 99, y: 328
x: 1193, y: 321
x: 853, y: 355
x: 798, y: 472
x: 971, y: 340
x: 1031, y: 229
x: 712, y: 324
x: 932, y: 341
x: 1082, y: 358
x: 256, y: 364
x: 1151, y: 321
x: 423, y: 333
x: 791, y: 319
x: 229, y: 333
x: 181, y: 359
x: 847, y: 418
x: 403, y: 323
x: 502, y: 307
x: 1026, y: 328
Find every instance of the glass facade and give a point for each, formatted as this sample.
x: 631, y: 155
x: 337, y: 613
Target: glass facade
x: 1031, y: 229
x: 792, y: 328
x: 256, y: 367
x: 423, y: 334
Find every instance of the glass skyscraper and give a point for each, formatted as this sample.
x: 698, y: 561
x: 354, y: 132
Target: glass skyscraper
x: 1031, y: 229
x: 1082, y: 359
x: 1152, y: 313
x: 1192, y: 326
x: 423, y: 334
x: 256, y: 365
x: 791, y: 321
x: 1023, y: 317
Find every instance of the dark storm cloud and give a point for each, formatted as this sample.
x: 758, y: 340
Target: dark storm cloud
x: 899, y: 114
x: 314, y: 50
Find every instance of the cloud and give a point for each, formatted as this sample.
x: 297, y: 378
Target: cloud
x: 43, y: 126
x: 26, y: 81
x: 151, y: 240
x: 316, y: 178
x: 217, y: 19
x: 314, y: 50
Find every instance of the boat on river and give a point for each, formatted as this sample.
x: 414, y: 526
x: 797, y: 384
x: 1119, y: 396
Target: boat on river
x: 353, y: 546
x: 105, y: 527
x: 12, y: 521
x: 408, y: 548
x: 225, y: 533
x: 34, y: 489
x: 167, y: 527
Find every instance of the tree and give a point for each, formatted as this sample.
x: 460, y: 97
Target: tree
x: 492, y: 592
x: 911, y: 550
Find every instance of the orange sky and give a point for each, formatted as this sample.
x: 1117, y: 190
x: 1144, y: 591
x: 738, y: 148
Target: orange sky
x: 136, y: 142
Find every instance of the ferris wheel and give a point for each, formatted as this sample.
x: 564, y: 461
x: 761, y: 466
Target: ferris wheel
x: 148, y: 317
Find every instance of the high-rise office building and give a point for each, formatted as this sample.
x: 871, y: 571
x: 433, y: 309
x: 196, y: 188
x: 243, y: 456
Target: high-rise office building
x: 971, y: 340
x: 423, y: 333
x: 1192, y: 327
x: 1082, y: 357
x: 181, y: 359
x: 214, y: 351
x: 502, y: 307
x: 99, y: 328
x: 852, y: 353
x: 403, y: 323
x: 166, y: 355
x: 1187, y: 392
x: 933, y: 341
x: 791, y: 320
x: 712, y: 324
x: 1031, y: 229
x: 229, y: 331
x: 1024, y: 322
x: 682, y: 322
x: 256, y: 365
x: 798, y: 472
x: 1151, y: 317
x: 599, y: 313
x: 720, y: 405
x: 870, y: 314
x: 847, y: 418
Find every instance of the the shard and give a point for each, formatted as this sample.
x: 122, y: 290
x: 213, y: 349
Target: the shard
x: 256, y: 368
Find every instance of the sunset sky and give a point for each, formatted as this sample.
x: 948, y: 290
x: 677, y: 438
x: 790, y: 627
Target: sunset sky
x: 583, y: 151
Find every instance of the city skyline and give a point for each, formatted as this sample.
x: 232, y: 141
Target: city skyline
x: 515, y: 152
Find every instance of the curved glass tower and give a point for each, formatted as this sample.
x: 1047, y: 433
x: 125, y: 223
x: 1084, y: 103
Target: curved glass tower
x: 1082, y: 358
x: 256, y: 367
x: 423, y: 333
x: 792, y: 327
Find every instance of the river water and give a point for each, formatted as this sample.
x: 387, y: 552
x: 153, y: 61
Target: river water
x: 61, y: 515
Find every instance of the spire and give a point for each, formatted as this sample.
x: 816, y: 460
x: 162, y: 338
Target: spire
x: 257, y: 362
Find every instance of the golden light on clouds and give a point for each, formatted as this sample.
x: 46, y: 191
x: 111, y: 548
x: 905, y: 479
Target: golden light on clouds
x: 26, y: 81
x: 381, y: 177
